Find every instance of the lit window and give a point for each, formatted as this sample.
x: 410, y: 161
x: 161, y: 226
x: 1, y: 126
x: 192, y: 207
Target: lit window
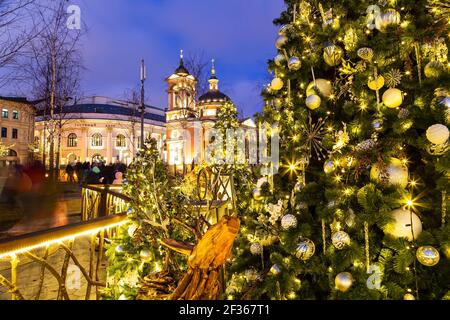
x: 120, y: 141
x: 5, y: 113
x: 15, y: 115
x: 72, y: 140
x: 15, y: 133
x: 97, y: 140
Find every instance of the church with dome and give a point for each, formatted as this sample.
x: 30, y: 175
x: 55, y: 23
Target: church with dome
x: 188, y: 120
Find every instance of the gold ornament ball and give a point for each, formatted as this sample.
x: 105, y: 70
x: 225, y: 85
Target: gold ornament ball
x: 392, y: 98
x: 323, y: 87
x: 365, y: 53
x: 279, y: 60
x: 376, y: 84
x: 313, y: 101
x: 328, y: 166
x: 397, y: 173
x: 257, y: 194
x: 333, y: 55
x: 276, y: 84
x: 340, y: 239
x: 343, y: 281
x: 438, y: 134
x: 400, y: 227
x: 281, y: 41
x: 305, y: 249
x: 409, y: 296
x: 294, y: 63
x: 390, y: 18
x: 428, y: 256
x: 446, y: 250
x: 433, y: 69
x: 275, y: 269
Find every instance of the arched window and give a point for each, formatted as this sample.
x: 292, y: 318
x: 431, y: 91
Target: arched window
x: 12, y: 153
x: 72, y: 140
x: 97, y: 140
x: 120, y: 141
x: 97, y: 158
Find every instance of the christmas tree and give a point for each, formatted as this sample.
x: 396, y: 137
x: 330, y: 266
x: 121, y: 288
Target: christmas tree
x: 156, y: 205
x: 361, y: 99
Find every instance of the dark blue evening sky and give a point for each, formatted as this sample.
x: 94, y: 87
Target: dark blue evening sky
x: 239, y: 34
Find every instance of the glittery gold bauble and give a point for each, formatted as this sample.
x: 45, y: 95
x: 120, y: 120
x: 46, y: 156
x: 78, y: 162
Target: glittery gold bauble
x: 305, y: 249
x: 433, y: 69
x: 313, y: 101
x: 276, y: 84
x: 438, y: 134
x: 376, y: 84
x: 409, y: 296
x: 256, y: 248
x: 396, y: 173
x: 288, y: 221
x: 343, y: 281
x: 365, y: 53
x: 428, y: 256
x: 400, y: 226
x: 340, y: 239
x: 333, y: 55
x: 281, y: 41
x: 392, y: 98
x: 323, y: 87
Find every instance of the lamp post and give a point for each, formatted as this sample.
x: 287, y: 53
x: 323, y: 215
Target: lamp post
x: 142, y: 107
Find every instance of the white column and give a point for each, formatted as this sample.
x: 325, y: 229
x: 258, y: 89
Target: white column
x: 109, y: 146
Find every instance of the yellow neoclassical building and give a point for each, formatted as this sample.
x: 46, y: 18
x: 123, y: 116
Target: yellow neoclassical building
x: 102, y: 129
x: 17, y: 130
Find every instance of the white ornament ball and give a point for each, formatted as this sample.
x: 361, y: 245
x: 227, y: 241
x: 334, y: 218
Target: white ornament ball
x: 132, y: 229
x: 401, y: 226
x: 305, y: 249
x: 276, y: 84
x: 428, y: 256
x: 256, y: 249
x: 343, y: 281
x: 145, y: 254
x: 393, y: 98
x: 288, y: 221
x: 340, y: 239
x: 438, y: 134
x: 281, y: 41
x: 323, y: 86
x: 396, y: 173
x: 119, y: 249
x: 313, y: 101
x: 279, y: 60
x: 294, y: 63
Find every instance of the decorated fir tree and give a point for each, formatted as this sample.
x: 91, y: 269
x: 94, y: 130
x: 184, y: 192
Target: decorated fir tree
x: 136, y: 252
x: 358, y: 210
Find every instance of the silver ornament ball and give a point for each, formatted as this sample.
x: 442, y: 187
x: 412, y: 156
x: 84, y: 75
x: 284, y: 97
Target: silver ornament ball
x: 294, y: 63
x: 288, y: 221
x: 256, y: 249
x: 343, y: 281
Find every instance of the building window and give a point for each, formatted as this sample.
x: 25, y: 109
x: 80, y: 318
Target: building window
x: 72, y: 140
x: 15, y: 115
x: 4, y: 132
x: 12, y: 153
x: 120, y: 141
x: 5, y: 113
x: 15, y: 133
x: 97, y: 140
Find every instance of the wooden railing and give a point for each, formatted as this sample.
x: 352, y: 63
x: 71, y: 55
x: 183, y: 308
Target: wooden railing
x: 69, y: 253
x: 102, y: 200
